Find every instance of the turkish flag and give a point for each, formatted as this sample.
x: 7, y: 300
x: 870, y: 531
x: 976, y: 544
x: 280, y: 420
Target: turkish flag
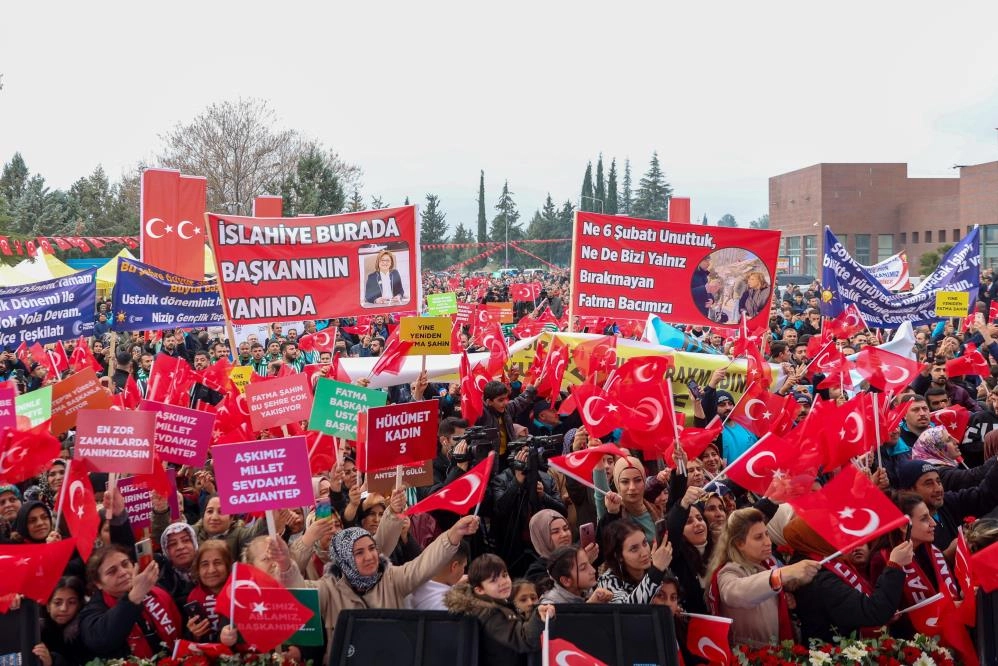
x: 926, y: 615
x: 553, y: 371
x: 756, y: 368
x: 885, y: 370
x: 964, y: 578
x: 265, y: 613
x: 392, y: 357
x: 33, y: 569
x: 493, y: 340
x: 828, y: 361
x: 816, y: 342
x: 216, y: 376
x: 45, y: 245
x: 849, y: 510
x: 77, y: 505
x: 170, y: 380
x: 593, y: 357
x: 5, y: 246
x: 547, y: 318
x: 847, y: 324
x: 993, y: 312
x: 524, y: 291
x: 746, y: 339
x: 40, y: 356
x: 760, y: 411
x: 59, y: 358
x: 580, y: 464
x: 955, y: 418
x: 82, y: 357
x: 27, y: 453
x: 473, y: 381
x: 23, y: 355
x: 694, y: 440
x: 186, y: 648
x: 639, y: 370
x: 320, y: 447
x: 320, y: 341
x: 528, y: 328
x: 971, y: 363
x: 460, y: 495
x: 984, y: 568
x: 131, y: 396
x: 848, y: 430
x: 936, y: 616
x: 707, y: 638
x: 600, y: 413
x: 649, y: 415
x: 172, y: 217
x: 564, y: 653
x: 776, y: 463
x: 157, y: 481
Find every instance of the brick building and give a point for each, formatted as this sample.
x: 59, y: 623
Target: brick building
x: 878, y: 210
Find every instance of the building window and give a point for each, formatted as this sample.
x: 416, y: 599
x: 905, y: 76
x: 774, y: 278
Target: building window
x: 844, y: 239
x: 793, y: 254
x: 914, y: 238
x: 903, y: 238
x: 956, y: 235
x: 862, y: 248
x: 885, y: 246
x: 811, y: 255
x: 928, y: 235
x: 942, y: 235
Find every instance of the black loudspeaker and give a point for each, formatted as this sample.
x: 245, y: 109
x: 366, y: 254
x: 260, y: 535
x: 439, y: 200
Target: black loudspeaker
x: 19, y: 633
x: 403, y: 638
x: 621, y: 634
x: 987, y: 627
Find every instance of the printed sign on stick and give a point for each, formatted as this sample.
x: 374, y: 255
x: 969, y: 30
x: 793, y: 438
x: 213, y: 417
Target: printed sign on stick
x: 81, y: 390
x: 182, y: 435
x: 397, y: 434
x: 279, y: 401
x: 115, y: 441
x: 337, y: 404
x: 265, y: 474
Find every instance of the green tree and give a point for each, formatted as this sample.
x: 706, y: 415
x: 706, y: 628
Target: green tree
x: 544, y: 225
x: 377, y: 203
x: 627, y: 197
x: 355, y: 203
x: 611, y: 190
x: 727, y: 220
x: 483, y: 232
x: 406, y: 203
x: 313, y: 188
x: 562, y: 254
x: 651, y: 201
x: 93, y: 199
x: 929, y: 261
x: 434, y: 230
x: 762, y: 222
x: 586, y: 200
x: 462, y: 236
x: 507, y: 219
x: 599, y: 193
x: 40, y: 210
x: 14, y: 178
x: 705, y: 222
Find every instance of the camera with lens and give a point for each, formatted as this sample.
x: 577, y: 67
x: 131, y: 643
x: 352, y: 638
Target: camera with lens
x: 540, y: 448
x: 479, y: 440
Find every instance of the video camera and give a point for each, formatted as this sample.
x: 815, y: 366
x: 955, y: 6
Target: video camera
x: 479, y: 439
x: 540, y: 448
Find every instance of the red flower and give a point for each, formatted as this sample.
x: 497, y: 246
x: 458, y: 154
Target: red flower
x: 197, y: 660
x: 799, y: 651
x: 888, y: 644
x: 167, y: 661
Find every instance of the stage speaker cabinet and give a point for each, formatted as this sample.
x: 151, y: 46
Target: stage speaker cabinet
x: 987, y: 627
x: 618, y: 634
x: 20, y: 631
x: 403, y: 638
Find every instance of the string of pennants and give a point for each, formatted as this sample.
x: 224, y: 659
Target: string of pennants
x: 49, y: 244
x: 458, y: 246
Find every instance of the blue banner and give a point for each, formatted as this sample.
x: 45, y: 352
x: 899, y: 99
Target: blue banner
x: 48, y: 311
x: 149, y: 299
x: 844, y: 281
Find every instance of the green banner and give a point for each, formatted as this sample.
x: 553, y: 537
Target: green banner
x: 312, y: 633
x: 336, y: 406
x: 36, y: 405
x: 441, y: 304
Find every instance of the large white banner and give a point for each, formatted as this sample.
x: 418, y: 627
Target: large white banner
x: 892, y: 272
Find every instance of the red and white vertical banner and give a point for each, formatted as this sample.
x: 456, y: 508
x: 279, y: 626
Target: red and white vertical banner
x: 268, y: 205
x: 679, y: 209
x: 172, y: 214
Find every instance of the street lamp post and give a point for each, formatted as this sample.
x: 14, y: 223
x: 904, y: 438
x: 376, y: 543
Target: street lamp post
x: 600, y: 201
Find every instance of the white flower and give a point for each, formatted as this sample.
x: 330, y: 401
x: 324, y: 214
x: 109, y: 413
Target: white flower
x: 854, y: 652
x: 924, y: 660
x: 819, y: 658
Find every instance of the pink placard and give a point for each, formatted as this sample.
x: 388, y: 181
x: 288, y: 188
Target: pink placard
x: 279, y: 401
x: 182, y: 435
x: 263, y: 474
x: 8, y: 417
x: 138, y: 501
x: 116, y: 441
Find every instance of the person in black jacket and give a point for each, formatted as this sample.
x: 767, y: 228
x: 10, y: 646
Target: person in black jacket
x: 500, y: 413
x: 840, y: 600
x: 61, y: 623
x: 948, y: 508
x: 981, y: 423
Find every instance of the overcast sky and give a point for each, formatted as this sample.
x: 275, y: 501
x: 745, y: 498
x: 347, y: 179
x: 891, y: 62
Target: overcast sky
x: 422, y: 95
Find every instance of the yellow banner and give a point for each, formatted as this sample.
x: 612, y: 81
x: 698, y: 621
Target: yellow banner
x: 241, y: 376
x: 429, y: 335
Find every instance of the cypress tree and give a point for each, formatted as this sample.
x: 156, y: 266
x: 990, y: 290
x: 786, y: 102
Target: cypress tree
x: 586, y: 200
x: 483, y: 232
x: 600, y: 192
x: 627, y: 200
x: 611, y: 190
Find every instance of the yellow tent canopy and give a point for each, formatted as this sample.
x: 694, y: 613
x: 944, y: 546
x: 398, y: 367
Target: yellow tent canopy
x: 107, y: 274
x: 57, y: 267
x: 209, y: 261
x: 10, y: 277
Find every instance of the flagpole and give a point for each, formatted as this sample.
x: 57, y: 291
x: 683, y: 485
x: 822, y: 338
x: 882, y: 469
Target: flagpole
x: 546, y: 642
x: 876, y: 429
x: 232, y: 597
x: 723, y: 472
x: 62, y: 495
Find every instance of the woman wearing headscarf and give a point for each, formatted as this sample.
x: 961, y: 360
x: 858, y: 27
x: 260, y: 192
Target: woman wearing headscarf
x: 840, y: 600
x: 549, y: 531
x: 940, y: 449
x: 33, y: 524
x: 629, y: 499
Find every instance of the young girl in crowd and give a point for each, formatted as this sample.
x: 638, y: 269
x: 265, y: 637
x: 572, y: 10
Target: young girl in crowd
x: 524, y: 597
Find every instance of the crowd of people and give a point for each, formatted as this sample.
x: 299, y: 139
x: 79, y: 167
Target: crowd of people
x: 670, y: 532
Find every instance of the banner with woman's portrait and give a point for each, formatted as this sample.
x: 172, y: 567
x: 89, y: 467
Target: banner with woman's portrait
x: 629, y: 268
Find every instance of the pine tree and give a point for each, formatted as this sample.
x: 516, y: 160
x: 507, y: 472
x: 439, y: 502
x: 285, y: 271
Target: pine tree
x: 462, y: 236
x: 92, y: 200
x: 356, y: 203
x: 434, y: 230
x: 14, y: 179
x: 544, y: 225
x: 482, y: 222
x: 562, y: 254
x: 507, y: 219
x: 651, y: 201
x: 586, y: 200
x: 762, y: 222
x: 599, y: 194
x: 377, y: 203
x: 611, y: 190
x: 313, y: 188
x: 727, y: 220
x: 627, y: 201
x: 39, y: 210
x: 705, y: 222
x: 406, y: 202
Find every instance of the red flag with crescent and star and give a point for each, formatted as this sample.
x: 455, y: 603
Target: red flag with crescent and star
x: 707, y: 638
x: 263, y: 610
x: 580, y: 464
x: 849, y: 510
x: 564, y: 653
x: 172, y: 216
x: 77, y: 505
x: 886, y: 371
x: 460, y: 495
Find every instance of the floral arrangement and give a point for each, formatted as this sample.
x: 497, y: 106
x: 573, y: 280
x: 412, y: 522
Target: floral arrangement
x: 266, y: 659
x: 880, y: 651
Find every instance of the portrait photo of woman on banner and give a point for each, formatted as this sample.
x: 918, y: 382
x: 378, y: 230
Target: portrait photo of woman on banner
x: 386, y: 268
